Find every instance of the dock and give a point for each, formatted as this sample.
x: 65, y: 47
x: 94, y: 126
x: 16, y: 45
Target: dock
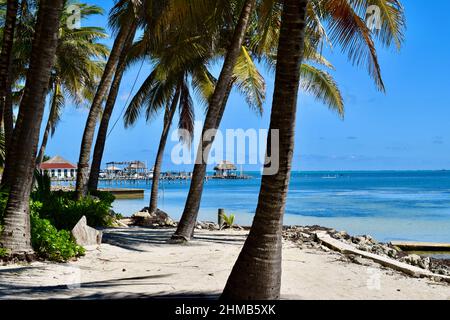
x: 126, y: 193
x: 421, y: 246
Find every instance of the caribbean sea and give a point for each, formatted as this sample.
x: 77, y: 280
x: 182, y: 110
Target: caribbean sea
x: 389, y: 205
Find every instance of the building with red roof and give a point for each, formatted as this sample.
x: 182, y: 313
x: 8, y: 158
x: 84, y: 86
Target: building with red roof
x: 60, y: 168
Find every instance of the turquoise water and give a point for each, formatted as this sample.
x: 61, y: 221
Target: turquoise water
x: 387, y: 205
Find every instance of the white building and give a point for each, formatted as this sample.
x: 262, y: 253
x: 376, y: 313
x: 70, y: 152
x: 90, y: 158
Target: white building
x: 59, y: 168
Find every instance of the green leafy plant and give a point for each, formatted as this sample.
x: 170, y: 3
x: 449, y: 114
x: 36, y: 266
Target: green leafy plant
x: 51, y: 244
x: 43, y: 186
x: 228, y: 220
x: 64, y: 212
x: 47, y: 241
x: 3, y: 253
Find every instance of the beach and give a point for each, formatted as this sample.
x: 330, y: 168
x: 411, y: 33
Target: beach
x: 389, y: 205
x: 138, y: 263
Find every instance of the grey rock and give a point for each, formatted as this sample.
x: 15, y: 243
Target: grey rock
x: 85, y: 235
x: 156, y: 219
x: 412, y: 259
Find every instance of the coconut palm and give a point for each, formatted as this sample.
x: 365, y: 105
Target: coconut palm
x: 126, y: 14
x: 6, y: 62
x: 150, y: 14
x: 16, y: 234
x: 164, y: 22
x: 26, y: 21
x: 124, y: 18
x: 257, y: 272
x: 168, y: 83
x: 261, y: 38
x: 212, y: 121
x: 106, y: 116
x: 79, y: 65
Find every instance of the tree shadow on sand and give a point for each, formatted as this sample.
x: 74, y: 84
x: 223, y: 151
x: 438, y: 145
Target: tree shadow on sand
x: 133, y: 238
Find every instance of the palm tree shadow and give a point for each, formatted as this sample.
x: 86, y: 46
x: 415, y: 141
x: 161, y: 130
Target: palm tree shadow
x: 11, y: 288
x: 135, y: 238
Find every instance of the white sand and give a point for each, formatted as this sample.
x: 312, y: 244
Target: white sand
x: 138, y: 263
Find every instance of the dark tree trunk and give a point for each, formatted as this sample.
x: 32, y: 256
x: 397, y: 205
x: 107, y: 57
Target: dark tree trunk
x: 16, y: 236
x: 48, y: 129
x: 168, y: 118
x: 5, y: 76
x: 89, y: 130
x: 257, y: 272
x: 8, y: 116
x: 213, y: 117
x: 107, y: 113
x: 6, y: 55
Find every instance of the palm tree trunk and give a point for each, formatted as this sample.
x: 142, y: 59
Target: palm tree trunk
x: 48, y: 129
x: 6, y: 54
x: 213, y: 117
x: 168, y: 118
x: 16, y: 236
x: 257, y: 272
x: 89, y: 130
x: 107, y: 113
x: 8, y: 116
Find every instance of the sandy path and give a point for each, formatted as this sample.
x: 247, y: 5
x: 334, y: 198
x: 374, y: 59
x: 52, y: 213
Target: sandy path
x: 138, y: 263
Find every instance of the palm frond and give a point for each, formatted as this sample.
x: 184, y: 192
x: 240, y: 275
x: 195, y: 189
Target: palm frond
x: 322, y: 86
x: 187, y: 118
x: 249, y: 81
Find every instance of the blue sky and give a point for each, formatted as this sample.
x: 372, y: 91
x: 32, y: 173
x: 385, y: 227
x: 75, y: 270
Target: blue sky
x: 406, y: 128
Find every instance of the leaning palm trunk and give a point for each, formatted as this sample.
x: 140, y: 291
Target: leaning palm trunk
x: 6, y: 54
x: 16, y: 234
x: 213, y: 117
x: 8, y: 115
x: 107, y: 113
x: 48, y: 128
x: 257, y: 272
x: 5, y: 75
x: 168, y: 118
x: 89, y: 130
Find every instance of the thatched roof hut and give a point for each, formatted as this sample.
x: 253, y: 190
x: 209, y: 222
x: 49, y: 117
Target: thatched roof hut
x: 225, y: 166
x: 225, y: 169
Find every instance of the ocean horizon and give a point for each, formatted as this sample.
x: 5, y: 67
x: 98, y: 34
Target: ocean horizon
x: 387, y: 204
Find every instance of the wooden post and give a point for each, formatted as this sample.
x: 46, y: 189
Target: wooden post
x: 220, y: 218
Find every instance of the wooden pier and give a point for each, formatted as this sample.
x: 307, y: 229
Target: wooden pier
x: 421, y: 246
x: 126, y: 193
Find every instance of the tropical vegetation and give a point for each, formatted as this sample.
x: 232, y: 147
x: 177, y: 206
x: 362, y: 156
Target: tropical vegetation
x: 180, y: 40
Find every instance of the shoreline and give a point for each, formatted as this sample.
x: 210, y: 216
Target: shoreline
x: 137, y: 262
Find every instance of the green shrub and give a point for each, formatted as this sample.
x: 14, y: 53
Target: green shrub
x: 64, y: 212
x: 54, y: 214
x: 51, y: 244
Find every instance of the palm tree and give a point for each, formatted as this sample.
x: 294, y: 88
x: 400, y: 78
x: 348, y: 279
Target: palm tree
x: 155, y: 16
x: 107, y: 113
x: 213, y: 117
x: 5, y: 66
x: 261, y: 257
x: 168, y: 83
x: 25, y: 29
x: 150, y: 12
x: 77, y: 69
x: 257, y: 272
x: 125, y: 14
x: 261, y: 40
x: 16, y: 234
